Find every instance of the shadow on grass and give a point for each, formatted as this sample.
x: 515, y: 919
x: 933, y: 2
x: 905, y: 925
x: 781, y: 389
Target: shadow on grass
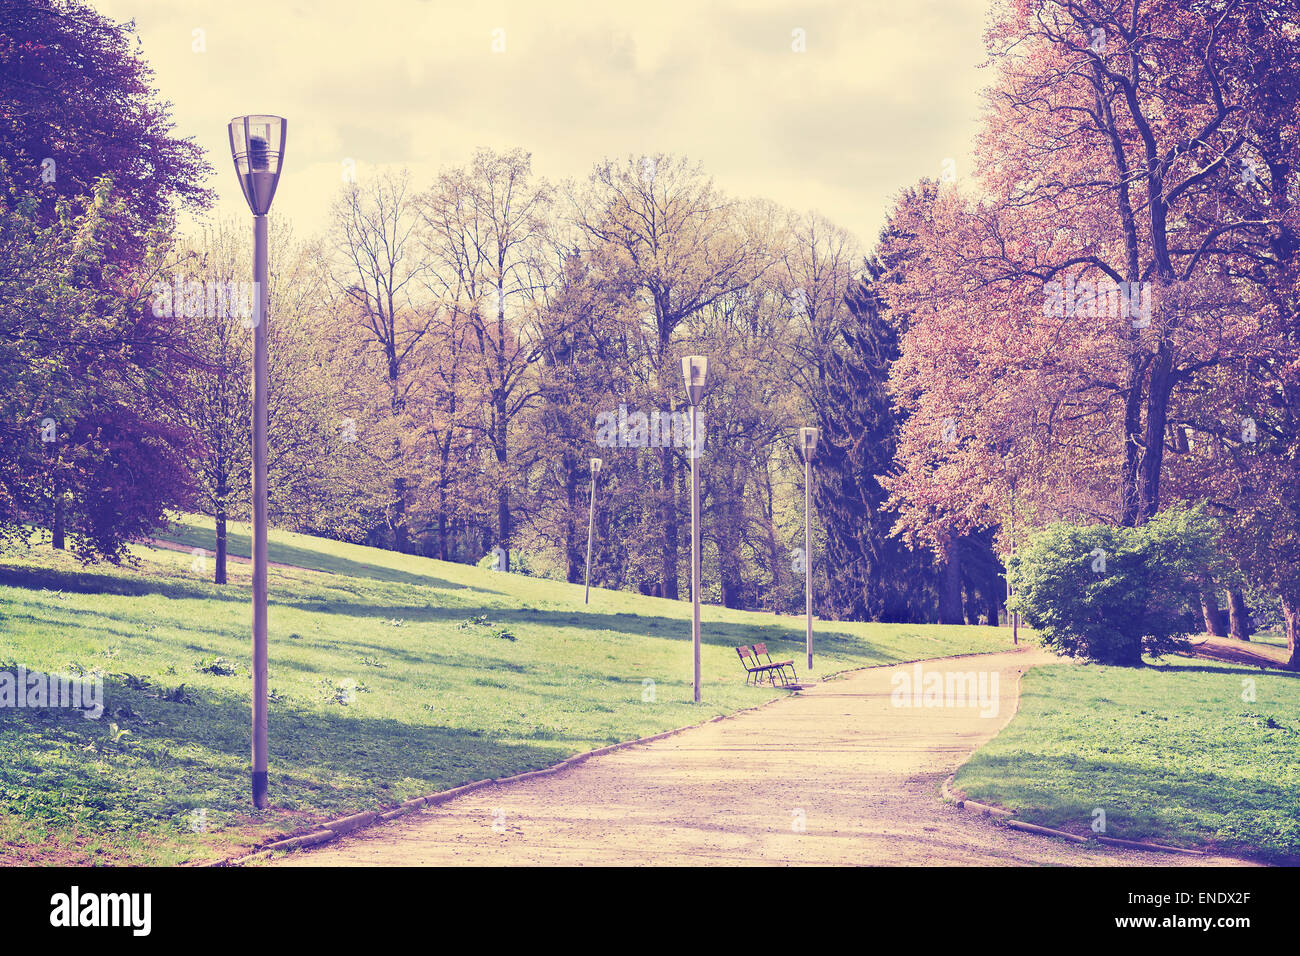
x: 1142, y: 801
x: 722, y: 634
x: 130, y: 582
x: 59, y: 767
x: 240, y: 545
x: 782, y: 641
x: 94, y: 582
x: 1236, y: 671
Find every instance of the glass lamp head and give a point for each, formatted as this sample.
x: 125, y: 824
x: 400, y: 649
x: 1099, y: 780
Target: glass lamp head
x: 257, y: 147
x: 695, y: 369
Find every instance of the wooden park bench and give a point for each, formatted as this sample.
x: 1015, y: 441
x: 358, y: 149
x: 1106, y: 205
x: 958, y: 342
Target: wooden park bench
x: 758, y: 670
x: 752, y: 668
x: 779, y: 665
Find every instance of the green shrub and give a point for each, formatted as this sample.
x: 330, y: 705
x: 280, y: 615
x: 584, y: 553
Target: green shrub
x: 1110, y: 594
x: 533, y: 564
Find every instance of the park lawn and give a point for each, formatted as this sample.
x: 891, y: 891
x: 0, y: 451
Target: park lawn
x: 392, y: 676
x: 1176, y: 753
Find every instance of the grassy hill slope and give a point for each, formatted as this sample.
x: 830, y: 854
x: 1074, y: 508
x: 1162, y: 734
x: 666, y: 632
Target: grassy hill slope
x: 392, y: 676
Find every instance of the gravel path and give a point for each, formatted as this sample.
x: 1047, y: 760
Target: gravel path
x: 834, y: 775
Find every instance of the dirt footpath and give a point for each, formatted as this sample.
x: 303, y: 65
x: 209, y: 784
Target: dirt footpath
x: 835, y: 775
x: 1240, y: 652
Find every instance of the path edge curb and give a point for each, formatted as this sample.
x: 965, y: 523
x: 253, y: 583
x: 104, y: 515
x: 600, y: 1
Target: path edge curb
x: 1005, y: 816
x: 1001, y: 813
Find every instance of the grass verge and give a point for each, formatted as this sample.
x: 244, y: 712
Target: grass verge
x: 1186, y: 752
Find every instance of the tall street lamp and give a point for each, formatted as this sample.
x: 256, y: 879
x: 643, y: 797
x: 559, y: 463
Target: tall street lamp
x: 695, y: 368
x: 591, y: 524
x: 807, y: 442
x: 257, y: 146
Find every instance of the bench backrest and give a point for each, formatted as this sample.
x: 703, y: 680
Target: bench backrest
x: 761, y: 649
x: 744, y: 653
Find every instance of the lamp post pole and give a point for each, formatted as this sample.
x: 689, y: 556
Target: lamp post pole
x: 591, y: 524
x: 695, y: 558
x: 260, y: 680
x: 808, y: 441
x: 257, y: 147
x: 694, y: 370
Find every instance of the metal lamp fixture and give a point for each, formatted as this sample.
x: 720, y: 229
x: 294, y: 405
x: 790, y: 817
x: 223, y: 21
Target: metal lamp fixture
x: 695, y: 370
x: 807, y: 444
x: 591, y: 524
x: 257, y: 147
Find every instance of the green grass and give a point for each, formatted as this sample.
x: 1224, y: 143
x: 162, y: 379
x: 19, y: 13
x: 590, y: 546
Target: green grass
x: 460, y: 674
x: 1171, y: 753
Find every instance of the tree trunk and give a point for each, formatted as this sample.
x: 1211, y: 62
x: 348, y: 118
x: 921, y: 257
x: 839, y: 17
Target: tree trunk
x: 503, y: 491
x: 59, y: 523
x: 727, y: 529
x: 774, y: 550
x: 972, y: 606
x: 1291, y: 613
x: 401, y: 540
x: 397, y: 404
x: 575, y: 544
x: 1157, y: 409
x: 668, y: 514
x: 950, y: 609
x: 443, y: 481
x: 1211, y: 613
x: 1132, y: 438
x: 221, y: 545
x: 503, y: 526
x: 1132, y: 657
x: 1238, y: 615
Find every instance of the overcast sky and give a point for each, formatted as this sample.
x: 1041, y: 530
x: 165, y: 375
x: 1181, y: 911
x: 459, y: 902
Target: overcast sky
x: 885, y: 92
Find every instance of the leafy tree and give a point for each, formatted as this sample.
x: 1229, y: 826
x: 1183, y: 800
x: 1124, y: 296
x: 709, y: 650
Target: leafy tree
x: 1122, y: 145
x: 91, y: 445
x: 581, y: 374
x: 90, y: 173
x: 79, y: 105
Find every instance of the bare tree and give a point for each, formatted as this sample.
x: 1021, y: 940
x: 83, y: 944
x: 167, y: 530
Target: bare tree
x: 378, y: 268
x: 484, y: 229
x: 660, y: 220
